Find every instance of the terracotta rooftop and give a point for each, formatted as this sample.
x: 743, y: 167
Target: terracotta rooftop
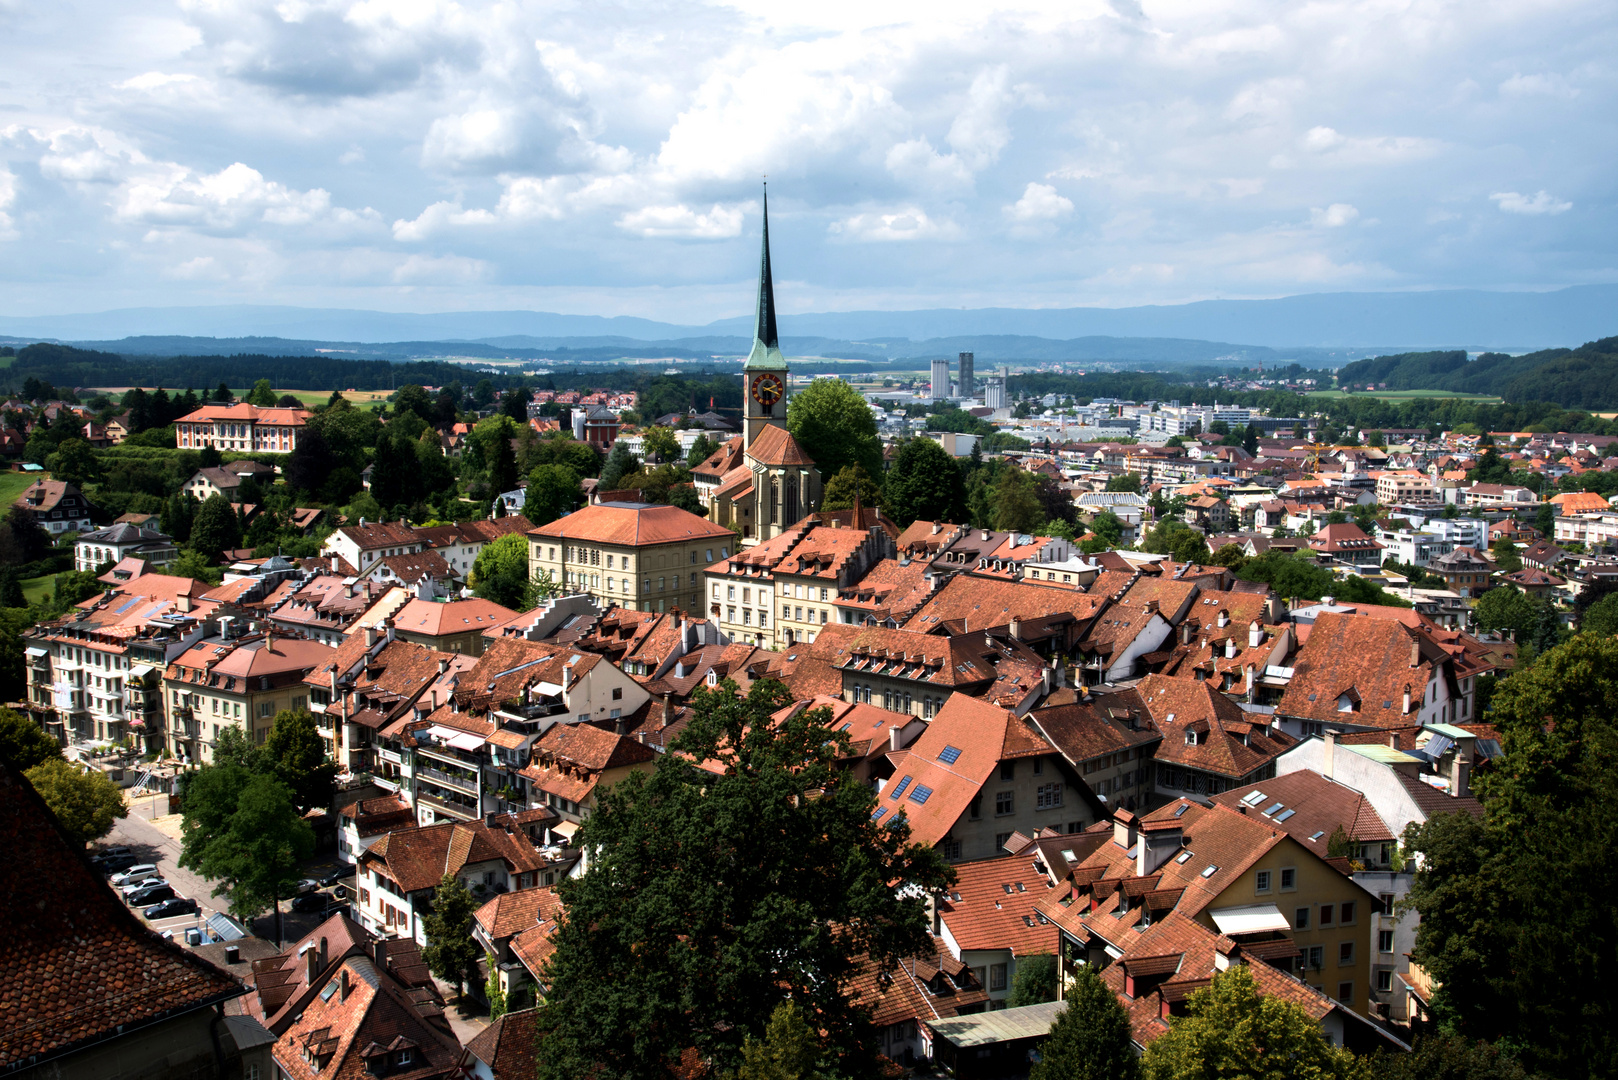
x: 634, y: 525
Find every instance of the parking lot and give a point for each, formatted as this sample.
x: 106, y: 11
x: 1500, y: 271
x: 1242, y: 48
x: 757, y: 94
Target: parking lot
x: 151, y: 844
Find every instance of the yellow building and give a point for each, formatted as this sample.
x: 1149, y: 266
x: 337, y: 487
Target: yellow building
x: 243, y: 680
x: 639, y: 556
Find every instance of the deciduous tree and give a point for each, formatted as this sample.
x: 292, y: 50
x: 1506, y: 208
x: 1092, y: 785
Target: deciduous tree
x: 296, y: 754
x: 717, y: 893
x: 451, y: 953
x: 85, y: 802
x: 500, y: 572
x: 1035, y: 981
x: 1507, y: 609
x: 216, y: 528
x: 23, y: 743
x: 242, y: 829
x: 1090, y: 1039
x: 553, y: 490
x: 925, y: 484
x: 835, y: 427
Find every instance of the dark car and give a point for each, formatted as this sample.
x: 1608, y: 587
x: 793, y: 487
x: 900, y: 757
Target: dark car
x: 336, y: 877
x: 180, y: 905
x: 144, y: 897
x: 114, y: 864
x: 310, y: 902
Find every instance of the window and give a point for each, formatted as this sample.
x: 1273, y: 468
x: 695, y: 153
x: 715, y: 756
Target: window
x: 1049, y: 797
x: 1345, y: 914
x: 1262, y: 880
x: 997, y: 976
x: 1384, y: 981
x: 1384, y: 941
x: 1345, y: 992
x: 900, y: 790
x: 1004, y: 802
x: 730, y: 592
x: 1325, y: 914
x: 1289, y: 879
x: 1345, y: 953
x: 1039, y: 766
x: 949, y: 755
x: 1317, y: 956
x: 976, y: 810
x: 266, y: 709
x: 952, y: 848
x: 822, y: 616
x: 617, y: 693
x: 1008, y: 770
x: 921, y: 794
x: 1300, y: 919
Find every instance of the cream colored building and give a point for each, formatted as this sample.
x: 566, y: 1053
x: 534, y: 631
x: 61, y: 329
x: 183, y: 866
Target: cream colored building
x: 639, y: 556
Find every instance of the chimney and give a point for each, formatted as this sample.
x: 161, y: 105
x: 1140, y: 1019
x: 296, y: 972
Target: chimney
x: 183, y: 602
x: 895, y: 735
x: 379, y: 954
x: 1330, y: 738
x: 1393, y: 740
x: 1407, y: 699
x: 334, y: 564
x: 1150, y: 607
x: 1460, y: 772
x: 370, y: 637
x: 1230, y: 648
x: 342, y: 992
x: 311, y: 965
x: 668, y: 709
x: 1185, y: 632
x: 985, y: 533
x: 1125, y: 829
x: 443, y: 664
x: 1255, y: 634
x: 1224, y: 617
x: 1016, y: 629
x: 269, y: 639
x: 1415, y: 654
x: 1252, y: 678
x: 937, y: 528
x: 567, y: 679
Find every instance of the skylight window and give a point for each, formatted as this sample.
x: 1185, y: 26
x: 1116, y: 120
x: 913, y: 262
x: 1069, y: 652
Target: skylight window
x: 1318, y: 835
x: 1272, y: 808
x: 1210, y: 870
x: 881, y: 811
x: 1183, y: 808
x: 331, y: 988
x: 1183, y: 857
x: 921, y: 794
x: 1253, y: 798
x: 1283, y: 815
x: 900, y: 790
x: 949, y: 755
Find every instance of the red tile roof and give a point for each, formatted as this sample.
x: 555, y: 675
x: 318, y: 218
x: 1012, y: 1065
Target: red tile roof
x: 80, y: 967
x: 1364, y: 663
x: 1228, y: 742
x: 1318, y: 807
x: 272, y: 416
x: 993, y: 906
x: 776, y: 446
x: 633, y: 526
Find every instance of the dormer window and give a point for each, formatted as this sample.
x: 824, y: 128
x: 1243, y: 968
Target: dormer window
x: 406, y: 1057
x: 1191, y: 738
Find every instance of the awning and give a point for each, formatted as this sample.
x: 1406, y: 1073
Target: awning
x: 140, y: 671
x: 1249, y: 919
x: 35, y: 650
x: 565, y: 828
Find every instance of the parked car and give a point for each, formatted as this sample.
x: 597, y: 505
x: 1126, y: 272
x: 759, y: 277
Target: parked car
x: 112, y: 864
x: 305, y: 885
x: 343, y: 892
x: 136, y: 873
x: 337, y: 877
x: 131, y: 888
x: 180, y: 905
x: 149, y: 895
x: 115, y: 849
x: 310, y: 902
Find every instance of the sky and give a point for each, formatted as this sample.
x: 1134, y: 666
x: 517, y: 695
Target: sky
x: 604, y: 158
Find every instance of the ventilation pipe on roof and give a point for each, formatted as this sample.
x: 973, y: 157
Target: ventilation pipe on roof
x: 1252, y: 679
x: 567, y: 679
x: 1415, y: 655
x: 1230, y: 648
x: 1224, y: 617
x: 1255, y: 634
x: 1407, y: 699
x: 1330, y: 739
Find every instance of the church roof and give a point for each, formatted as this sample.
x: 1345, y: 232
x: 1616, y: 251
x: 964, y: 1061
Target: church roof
x: 766, y: 354
x: 776, y: 446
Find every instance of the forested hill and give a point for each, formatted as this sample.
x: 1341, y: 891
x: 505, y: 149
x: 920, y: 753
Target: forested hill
x: 1582, y: 378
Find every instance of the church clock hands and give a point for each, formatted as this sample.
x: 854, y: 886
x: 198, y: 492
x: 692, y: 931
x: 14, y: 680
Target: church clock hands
x: 767, y: 390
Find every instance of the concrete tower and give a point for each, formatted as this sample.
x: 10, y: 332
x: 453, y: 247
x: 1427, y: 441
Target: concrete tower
x: 940, y: 378
x: 967, y: 385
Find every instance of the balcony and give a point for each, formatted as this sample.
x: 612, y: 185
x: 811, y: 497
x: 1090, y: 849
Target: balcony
x: 464, y: 812
x: 467, y: 784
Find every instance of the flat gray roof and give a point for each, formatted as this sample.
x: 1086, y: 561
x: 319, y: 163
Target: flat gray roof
x: 982, y: 1029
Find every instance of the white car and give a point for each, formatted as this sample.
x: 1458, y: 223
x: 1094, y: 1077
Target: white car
x: 131, y: 888
x: 136, y: 873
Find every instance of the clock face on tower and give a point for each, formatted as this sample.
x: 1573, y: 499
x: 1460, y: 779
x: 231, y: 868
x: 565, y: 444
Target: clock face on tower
x: 767, y: 390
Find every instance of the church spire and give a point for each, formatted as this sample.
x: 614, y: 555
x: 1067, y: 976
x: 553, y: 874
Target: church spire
x: 766, y: 352
x: 765, y: 331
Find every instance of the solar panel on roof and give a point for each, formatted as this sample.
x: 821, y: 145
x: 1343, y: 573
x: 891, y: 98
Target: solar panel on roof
x: 949, y: 755
x: 879, y: 812
x: 900, y: 790
x: 921, y: 794
x: 131, y: 602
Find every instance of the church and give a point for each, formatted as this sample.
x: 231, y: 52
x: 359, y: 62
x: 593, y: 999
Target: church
x: 761, y: 483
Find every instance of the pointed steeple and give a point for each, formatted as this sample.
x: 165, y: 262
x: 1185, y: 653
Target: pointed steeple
x: 766, y: 353
x: 765, y: 330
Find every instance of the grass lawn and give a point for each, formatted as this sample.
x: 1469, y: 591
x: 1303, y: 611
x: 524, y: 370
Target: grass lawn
x: 1406, y: 395
x: 312, y: 398
x: 13, y: 484
x: 35, y: 589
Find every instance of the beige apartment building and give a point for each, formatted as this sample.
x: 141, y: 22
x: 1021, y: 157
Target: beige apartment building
x: 639, y: 556
x: 236, y: 678
x: 1405, y: 488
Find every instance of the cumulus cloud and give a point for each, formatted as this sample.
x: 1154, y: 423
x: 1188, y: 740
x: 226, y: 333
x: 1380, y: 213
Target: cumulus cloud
x: 909, y: 224
x: 1039, y: 202
x: 1334, y: 216
x: 217, y: 144
x: 719, y: 222
x: 1541, y: 202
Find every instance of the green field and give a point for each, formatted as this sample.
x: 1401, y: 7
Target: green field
x: 13, y: 484
x: 312, y: 398
x: 35, y: 589
x: 1406, y: 395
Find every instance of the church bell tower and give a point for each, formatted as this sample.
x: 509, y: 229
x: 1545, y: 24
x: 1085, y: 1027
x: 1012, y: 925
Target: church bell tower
x: 764, y: 375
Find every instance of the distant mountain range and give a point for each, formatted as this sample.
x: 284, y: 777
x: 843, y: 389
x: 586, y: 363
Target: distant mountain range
x: 1358, y: 323
x: 1582, y: 378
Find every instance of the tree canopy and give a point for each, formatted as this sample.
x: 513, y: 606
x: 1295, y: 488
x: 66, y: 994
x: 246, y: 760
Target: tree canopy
x: 451, y: 952
x: 1519, y: 909
x: 500, y: 572
x: 1090, y: 1039
x: 835, y: 427
x: 23, y: 743
x: 84, y: 801
x: 717, y: 893
x: 925, y: 484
